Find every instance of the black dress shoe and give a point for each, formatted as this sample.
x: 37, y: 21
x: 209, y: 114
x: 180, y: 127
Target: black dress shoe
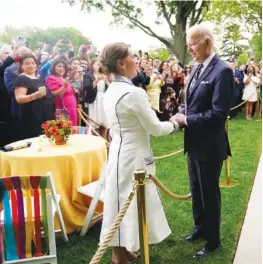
x: 205, y: 252
x: 192, y: 237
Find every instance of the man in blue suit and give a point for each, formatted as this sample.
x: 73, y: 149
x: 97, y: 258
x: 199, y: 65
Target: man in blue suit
x: 238, y: 80
x: 208, y: 100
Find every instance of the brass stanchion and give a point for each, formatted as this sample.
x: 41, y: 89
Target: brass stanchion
x: 228, y: 182
x: 257, y: 106
x: 140, y: 177
x: 79, y: 117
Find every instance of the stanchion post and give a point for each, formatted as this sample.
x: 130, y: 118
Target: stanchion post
x: 227, y: 182
x: 257, y: 105
x: 140, y: 176
x: 79, y: 117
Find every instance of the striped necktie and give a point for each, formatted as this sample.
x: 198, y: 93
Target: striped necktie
x: 196, y: 76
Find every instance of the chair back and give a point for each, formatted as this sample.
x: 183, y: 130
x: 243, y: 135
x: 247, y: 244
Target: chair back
x: 82, y: 130
x: 26, y: 209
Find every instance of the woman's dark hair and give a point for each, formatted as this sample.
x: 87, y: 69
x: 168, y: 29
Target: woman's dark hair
x: 111, y: 54
x: 254, y: 70
x: 55, y: 63
x: 23, y: 58
x: 187, y: 66
x: 161, y: 66
x: 169, y: 92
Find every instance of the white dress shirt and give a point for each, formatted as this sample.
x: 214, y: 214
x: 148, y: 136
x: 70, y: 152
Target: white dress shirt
x: 205, y: 63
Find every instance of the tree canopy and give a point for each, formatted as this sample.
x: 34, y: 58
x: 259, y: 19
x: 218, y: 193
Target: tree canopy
x: 176, y: 15
x: 256, y: 46
x: 36, y: 37
x: 179, y: 15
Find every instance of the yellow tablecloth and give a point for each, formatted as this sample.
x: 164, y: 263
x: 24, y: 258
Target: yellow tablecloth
x: 73, y: 165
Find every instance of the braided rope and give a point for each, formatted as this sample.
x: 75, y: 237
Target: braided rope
x: 93, y: 130
x: 169, y: 155
x: 168, y: 192
x: 237, y: 106
x: 85, y: 114
x: 105, y: 244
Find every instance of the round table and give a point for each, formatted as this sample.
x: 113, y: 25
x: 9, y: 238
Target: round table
x: 72, y: 165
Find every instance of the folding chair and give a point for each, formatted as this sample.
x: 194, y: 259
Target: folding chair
x: 82, y: 130
x: 95, y: 191
x: 23, y: 220
x: 56, y: 199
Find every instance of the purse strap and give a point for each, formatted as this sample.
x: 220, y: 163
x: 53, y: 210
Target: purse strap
x: 62, y: 102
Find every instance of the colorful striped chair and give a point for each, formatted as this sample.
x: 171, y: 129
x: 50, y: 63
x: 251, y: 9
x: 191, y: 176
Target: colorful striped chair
x: 82, y: 130
x: 25, y: 218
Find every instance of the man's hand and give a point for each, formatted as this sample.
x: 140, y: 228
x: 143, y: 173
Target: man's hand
x: 179, y: 118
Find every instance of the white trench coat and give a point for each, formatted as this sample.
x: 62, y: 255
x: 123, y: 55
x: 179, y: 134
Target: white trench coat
x: 131, y: 121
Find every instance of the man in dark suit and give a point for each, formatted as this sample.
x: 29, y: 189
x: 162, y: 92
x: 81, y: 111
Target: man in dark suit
x: 5, y: 102
x: 238, y: 80
x: 208, y: 100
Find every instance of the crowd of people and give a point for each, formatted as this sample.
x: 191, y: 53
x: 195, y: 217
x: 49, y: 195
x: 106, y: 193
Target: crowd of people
x: 36, y: 86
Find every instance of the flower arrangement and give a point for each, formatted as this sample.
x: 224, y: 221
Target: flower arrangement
x: 57, y: 130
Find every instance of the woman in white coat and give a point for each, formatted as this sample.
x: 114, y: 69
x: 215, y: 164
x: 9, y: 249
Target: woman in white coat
x: 131, y: 121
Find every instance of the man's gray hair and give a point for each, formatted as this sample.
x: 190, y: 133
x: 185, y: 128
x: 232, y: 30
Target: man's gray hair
x: 202, y: 31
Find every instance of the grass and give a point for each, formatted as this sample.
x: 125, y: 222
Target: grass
x: 245, y: 140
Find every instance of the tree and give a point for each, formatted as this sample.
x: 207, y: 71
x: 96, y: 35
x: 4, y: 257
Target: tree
x: 243, y: 58
x: 10, y: 33
x: 256, y: 46
x: 233, y: 19
x: 36, y: 37
x: 161, y: 53
x: 177, y: 15
x: 247, y: 13
x: 231, y: 41
x: 52, y: 35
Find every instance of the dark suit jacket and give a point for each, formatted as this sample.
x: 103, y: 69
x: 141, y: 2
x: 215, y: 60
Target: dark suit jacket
x: 141, y: 80
x: 9, y: 78
x: 240, y: 77
x: 90, y: 92
x: 5, y: 100
x: 207, y: 108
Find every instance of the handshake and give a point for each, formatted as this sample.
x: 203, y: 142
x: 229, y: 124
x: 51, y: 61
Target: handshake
x: 179, y: 119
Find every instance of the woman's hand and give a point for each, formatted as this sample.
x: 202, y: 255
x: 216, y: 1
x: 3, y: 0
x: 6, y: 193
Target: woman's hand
x: 37, y: 95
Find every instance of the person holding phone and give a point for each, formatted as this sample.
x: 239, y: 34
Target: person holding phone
x: 36, y: 104
x: 154, y: 88
x: 65, y: 97
x: 251, y: 82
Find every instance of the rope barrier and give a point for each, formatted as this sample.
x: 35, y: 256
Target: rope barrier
x: 169, y: 155
x: 168, y: 192
x: 237, y: 106
x: 105, y: 244
x: 85, y: 114
x: 181, y: 150
x: 93, y: 130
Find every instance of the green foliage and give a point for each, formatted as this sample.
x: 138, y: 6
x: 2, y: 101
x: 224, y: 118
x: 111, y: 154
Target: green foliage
x: 234, y: 18
x: 243, y: 58
x: 176, y: 15
x: 231, y: 41
x: 256, y: 45
x: 161, y: 53
x: 248, y: 13
x: 36, y: 36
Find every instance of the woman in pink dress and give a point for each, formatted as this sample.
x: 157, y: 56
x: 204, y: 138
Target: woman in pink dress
x: 62, y: 90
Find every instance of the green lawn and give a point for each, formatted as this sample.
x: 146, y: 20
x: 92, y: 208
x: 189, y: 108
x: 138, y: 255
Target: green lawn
x: 245, y: 140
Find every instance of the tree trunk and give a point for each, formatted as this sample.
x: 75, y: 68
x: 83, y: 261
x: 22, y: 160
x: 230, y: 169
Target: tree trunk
x: 178, y: 44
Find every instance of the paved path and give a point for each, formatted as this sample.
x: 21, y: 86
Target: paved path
x: 249, y: 250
